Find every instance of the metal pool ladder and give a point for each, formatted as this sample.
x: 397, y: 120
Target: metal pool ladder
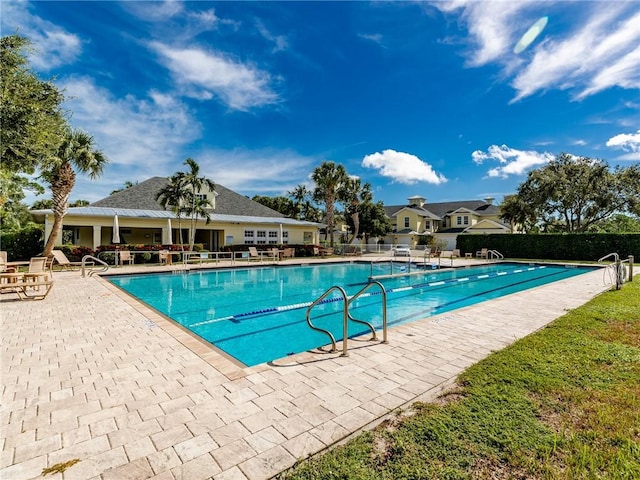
x: 91, y: 260
x: 618, y: 267
x: 346, y: 316
x: 494, y: 254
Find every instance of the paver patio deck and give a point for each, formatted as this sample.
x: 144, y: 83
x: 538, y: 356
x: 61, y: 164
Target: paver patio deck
x: 91, y: 374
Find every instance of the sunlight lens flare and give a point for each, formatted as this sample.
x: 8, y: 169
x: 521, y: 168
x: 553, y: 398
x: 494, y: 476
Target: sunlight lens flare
x: 531, y: 34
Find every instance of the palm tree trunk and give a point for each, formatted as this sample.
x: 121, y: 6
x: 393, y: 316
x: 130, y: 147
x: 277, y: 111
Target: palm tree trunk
x: 64, y: 178
x: 53, y: 236
x: 356, y: 226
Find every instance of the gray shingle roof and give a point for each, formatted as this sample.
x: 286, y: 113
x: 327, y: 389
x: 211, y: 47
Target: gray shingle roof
x: 142, y: 197
x: 441, y: 209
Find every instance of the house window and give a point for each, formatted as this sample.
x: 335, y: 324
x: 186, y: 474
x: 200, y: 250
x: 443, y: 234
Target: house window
x: 458, y: 220
x: 273, y: 237
x: 427, y: 225
x: 406, y: 222
x: 466, y: 219
x: 285, y: 237
x: 201, y: 196
x: 261, y: 236
x: 249, y: 237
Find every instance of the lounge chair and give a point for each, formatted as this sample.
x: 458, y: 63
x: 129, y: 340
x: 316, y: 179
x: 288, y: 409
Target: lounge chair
x: 482, y: 253
x: 39, y: 270
x: 126, y: 256
x: 61, y: 259
x: 254, y: 255
x: 28, y: 289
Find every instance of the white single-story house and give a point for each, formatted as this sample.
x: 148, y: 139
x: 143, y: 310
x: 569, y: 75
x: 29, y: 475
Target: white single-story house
x: 443, y: 220
x: 140, y: 219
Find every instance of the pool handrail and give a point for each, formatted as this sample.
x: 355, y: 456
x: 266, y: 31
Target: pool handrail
x: 92, y: 260
x: 494, y: 253
x: 345, y: 316
x: 384, y: 310
x: 618, y: 267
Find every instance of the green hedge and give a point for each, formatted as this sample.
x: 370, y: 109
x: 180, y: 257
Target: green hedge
x: 24, y: 244
x: 577, y: 246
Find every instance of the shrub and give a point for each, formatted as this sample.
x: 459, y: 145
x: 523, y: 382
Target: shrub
x: 22, y: 245
x: 575, y: 246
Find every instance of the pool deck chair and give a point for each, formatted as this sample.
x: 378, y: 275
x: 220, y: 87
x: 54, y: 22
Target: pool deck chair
x: 447, y: 255
x: 65, y: 264
x: 39, y: 270
x: 34, y: 290
x: 482, y: 253
x: 254, y: 255
x: 126, y: 257
x: 164, y: 257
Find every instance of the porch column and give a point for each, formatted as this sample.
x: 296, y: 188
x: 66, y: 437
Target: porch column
x: 97, y: 236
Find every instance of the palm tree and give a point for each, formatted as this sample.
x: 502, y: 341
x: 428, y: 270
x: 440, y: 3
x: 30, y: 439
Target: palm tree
x: 195, y: 207
x: 299, y: 195
x: 353, y: 194
x: 172, y: 197
x: 329, y: 178
x: 78, y: 151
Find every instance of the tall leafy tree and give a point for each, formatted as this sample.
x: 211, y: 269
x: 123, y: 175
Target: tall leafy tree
x: 127, y: 184
x: 14, y: 214
x: 373, y: 220
x: 76, y: 152
x: 194, y: 206
x: 619, y: 223
x: 329, y: 178
x: 33, y: 122
x: 299, y: 194
x: 280, y: 204
x: 518, y: 214
x: 172, y: 197
x: 353, y: 194
x: 573, y: 193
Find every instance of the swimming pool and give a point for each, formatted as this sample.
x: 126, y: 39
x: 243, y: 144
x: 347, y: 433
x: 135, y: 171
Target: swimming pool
x: 258, y: 314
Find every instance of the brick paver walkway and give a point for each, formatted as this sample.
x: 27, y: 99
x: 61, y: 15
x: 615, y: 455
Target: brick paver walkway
x: 90, y: 374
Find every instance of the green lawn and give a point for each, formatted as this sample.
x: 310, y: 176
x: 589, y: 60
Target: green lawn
x: 563, y: 403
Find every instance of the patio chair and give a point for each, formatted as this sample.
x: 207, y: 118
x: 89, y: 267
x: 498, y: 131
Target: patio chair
x: 39, y: 270
x: 254, y: 255
x: 482, y: 253
x: 126, y: 257
x: 164, y: 257
x: 61, y: 259
x: 3, y: 262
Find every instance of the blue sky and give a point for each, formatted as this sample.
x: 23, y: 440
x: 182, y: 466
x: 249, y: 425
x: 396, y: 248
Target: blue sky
x: 416, y: 98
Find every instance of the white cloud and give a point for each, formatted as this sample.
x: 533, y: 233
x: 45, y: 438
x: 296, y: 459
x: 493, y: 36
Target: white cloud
x: 600, y: 53
x: 628, y: 142
x: 402, y: 167
x: 492, y: 26
x: 53, y: 45
x: 280, y: 41
x: 141, y: 137
x: 155, y: 11
x: 514, y: 162
x: 206, y: 74
x: 598, y: 56
x: 256, y: 172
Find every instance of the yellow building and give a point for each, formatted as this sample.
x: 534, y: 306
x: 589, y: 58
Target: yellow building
x: 443, y: 220
x: 138, y: 218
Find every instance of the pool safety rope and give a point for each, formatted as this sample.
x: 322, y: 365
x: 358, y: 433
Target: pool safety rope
x: 295, y: 306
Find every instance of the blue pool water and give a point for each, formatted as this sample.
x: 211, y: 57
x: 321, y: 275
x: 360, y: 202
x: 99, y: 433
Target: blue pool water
x: 259, y: 314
